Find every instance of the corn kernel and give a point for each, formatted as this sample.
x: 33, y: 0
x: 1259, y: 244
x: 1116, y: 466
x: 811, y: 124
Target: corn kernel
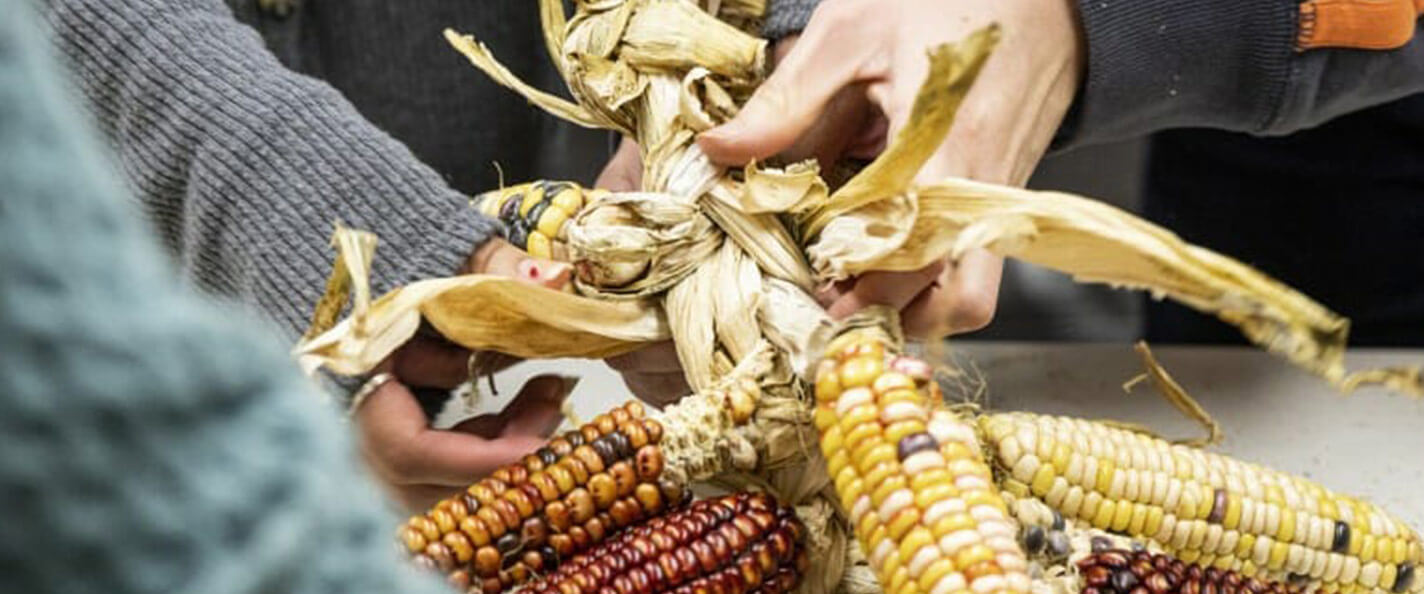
x: 912, y: 543
x: 951, y: 524
x: 931, y: 495
x: 940, y: 568
x: 989, y: 498
x: 1016, y: 488
x: 861, y: 371
x: 1139, y: 519
x: 902, y: 522
x: 881, y: 472
x: 1106, y: 471
x: 858, y: 435
x: 1277, y: 559
x: 1043, y: 479
x: 898, y: 430
x: 973, y: 554
x: 1106, y: 511
x: 937, y: 476
x: 1153, y: 523
x: 1285, y: 532
x: 893, y: 483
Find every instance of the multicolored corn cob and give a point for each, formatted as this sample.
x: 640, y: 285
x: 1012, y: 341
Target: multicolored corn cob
x: 1119, y: 571
x: 738, y: 544
x: 1204, y: 508
x: 920, y: 496
x: 524, y: 518
x: 537, y: 214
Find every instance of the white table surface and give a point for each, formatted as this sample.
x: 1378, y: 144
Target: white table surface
x: 1370, y: 443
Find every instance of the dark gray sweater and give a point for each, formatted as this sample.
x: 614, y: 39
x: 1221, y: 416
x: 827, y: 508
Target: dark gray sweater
x: 244, y: 165
x: 153, y: 442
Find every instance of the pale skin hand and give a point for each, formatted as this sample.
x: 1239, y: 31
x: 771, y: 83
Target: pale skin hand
x: 852, y: 77
x: 421, y: 464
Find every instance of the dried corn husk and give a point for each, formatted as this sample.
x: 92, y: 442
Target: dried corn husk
x: 478, y: 312
x: 659, y: 263
x: 1097, y: 243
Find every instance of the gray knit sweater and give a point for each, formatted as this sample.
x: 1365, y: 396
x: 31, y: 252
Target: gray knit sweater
x: 153, y: 442
x: 244, y: 164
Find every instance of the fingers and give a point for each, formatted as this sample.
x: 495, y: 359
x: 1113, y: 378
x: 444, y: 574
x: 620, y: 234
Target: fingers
x: 419, y: 498
x: 891, y: 289
x: 624, y: 172
x: 499, y: 257
x: 653, y: 373
x: 827, y: 58
x: 657, y: 389
x: 427, y: 363
x: 538, y: 408
x: 657, y: 358
x: 839, y: 132
x: 545, y: 273
x: 407, y: 452
x: 963, y: 299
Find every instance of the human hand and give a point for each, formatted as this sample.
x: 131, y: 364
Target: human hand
x: 422, y: 464
x: 850, y: 81
x: 624, y: 172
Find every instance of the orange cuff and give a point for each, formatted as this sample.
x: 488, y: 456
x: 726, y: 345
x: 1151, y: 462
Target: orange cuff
x: 1357, y: 24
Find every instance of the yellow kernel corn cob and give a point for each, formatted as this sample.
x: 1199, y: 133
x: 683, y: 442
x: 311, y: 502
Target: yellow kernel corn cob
x: 536, y: 213
x: 920, y: 496
x: 1205, y: 508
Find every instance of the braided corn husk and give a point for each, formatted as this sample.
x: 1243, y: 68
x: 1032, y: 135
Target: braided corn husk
x: 722, y: 262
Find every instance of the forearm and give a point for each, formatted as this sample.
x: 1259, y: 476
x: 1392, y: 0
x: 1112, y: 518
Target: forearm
x: 1226, y: 64
x: 244, y: 166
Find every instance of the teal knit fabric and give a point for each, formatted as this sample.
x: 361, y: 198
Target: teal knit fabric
x: 150, y: 441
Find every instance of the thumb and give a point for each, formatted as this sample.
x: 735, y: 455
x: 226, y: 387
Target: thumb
x: 397, y: 434
x: 790, y: 101
x: 538, y: 408
x: 500, y: 258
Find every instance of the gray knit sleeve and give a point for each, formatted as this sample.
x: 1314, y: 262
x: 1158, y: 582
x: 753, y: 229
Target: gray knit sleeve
x: 787, y: 17
x: 245, y: 166
x: 152, y: 441
x: 1225, y: 64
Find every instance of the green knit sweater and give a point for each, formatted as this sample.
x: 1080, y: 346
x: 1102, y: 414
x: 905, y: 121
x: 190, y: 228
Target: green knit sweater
x: 150, y: 441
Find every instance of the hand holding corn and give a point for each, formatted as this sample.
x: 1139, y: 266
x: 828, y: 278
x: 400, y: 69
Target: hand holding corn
x: 850, y: 81
x: 421, y: 464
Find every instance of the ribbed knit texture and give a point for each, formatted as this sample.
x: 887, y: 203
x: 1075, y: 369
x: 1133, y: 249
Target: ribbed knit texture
x: 786, y: 17
x: 245, y: 166
x: 152, y: 442
x: 1164, y: 64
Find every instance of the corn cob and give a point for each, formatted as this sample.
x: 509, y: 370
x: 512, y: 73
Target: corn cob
x: 1119, y: 571
x: 564, y: 498
x: 1205, y: 508
x: 920, y: 496
x: 738, y: 544
x: 537, y: 214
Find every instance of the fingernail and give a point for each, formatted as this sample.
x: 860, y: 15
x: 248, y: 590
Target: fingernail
x: 528, y: 269
x: 553, y: 275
